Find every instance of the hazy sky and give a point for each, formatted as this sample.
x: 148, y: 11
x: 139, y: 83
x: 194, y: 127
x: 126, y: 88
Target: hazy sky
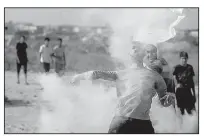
x: 80, y: 16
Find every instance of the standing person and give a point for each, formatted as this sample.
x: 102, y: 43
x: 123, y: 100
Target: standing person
x: 59, y: 55
x: 21, y: 58
x: 5, y: 97
x: 45, y: 55
x: 138, y: 86
x: 149, y: 61
x: 183, y: 78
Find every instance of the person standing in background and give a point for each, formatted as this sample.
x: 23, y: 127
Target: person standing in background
x: 151, y: 58
x: 21, y: 58
x: 59, y: 55
x: 184, y: 82
x: 46, y: 55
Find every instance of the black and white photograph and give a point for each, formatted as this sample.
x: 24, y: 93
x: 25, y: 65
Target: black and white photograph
x: 101, y: 70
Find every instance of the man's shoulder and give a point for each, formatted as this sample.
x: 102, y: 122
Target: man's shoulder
x: 177, y: 66
x: 189, y: 65
x: 163, y: 61
x: 42, y: 46
x: 18, y: 43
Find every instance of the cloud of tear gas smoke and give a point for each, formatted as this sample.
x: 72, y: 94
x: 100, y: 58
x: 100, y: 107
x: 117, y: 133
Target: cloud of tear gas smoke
x: 83, y: 109
x: 89, y: 109
x: 151, y: 27
x: 146, y: 25
x: 170, y: 120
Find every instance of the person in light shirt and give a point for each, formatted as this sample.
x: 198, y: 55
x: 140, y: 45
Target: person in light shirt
x: 151, y: 59
x: 59, y: 55
x: 138, y: 86
x: 46, y: 55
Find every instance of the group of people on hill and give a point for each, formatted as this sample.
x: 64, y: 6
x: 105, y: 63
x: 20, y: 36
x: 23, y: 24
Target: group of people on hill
x: 48, y: 55
x: 136, y: 85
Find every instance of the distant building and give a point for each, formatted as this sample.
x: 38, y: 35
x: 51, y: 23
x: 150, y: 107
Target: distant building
x: 76, y: 29
x: 192, y: 32
x: 99, y: 31
x: 40, y: 30
x: 26, y: 27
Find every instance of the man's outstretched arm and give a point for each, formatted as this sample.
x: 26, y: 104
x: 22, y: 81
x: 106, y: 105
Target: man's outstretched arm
x: 96, y: 74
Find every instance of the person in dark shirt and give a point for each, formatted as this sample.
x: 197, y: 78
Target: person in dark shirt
x: 21, y: 59
x: 183, y: 78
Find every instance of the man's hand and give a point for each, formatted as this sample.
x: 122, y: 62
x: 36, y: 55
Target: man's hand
x: 168, y: 99
x: 75, y: 80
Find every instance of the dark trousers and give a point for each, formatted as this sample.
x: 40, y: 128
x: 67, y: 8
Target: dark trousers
x: 185, y: 100
x: 125, y: 125
x: 59, y: 67
x: 19, y: 67
x: 46, y: 66
x: 170, y: 85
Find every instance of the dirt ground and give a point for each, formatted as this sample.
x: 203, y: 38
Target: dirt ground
x: 22, y: 113
x: 23, y: 110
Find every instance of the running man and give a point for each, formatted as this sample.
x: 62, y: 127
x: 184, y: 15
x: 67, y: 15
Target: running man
x: 21, y: 58
x: 46, y: 55
x: 59, y: 55
x: 183, y: 78
x: 138, y: 86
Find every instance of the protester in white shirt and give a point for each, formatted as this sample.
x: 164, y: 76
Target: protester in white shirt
x: 138, y: 86
x: 46, y: 55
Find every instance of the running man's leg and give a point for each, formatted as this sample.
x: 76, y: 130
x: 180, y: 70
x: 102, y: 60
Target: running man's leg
x: 25, y: 73
x: 18, y: 72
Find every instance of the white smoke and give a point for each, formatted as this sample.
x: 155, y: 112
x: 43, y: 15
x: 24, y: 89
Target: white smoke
x: 170, y: 120
x: 145, y: 25
x: 89, y: 109
x: 84, y: 109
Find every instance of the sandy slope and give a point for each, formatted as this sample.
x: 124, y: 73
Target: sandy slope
x: 21, y: 115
